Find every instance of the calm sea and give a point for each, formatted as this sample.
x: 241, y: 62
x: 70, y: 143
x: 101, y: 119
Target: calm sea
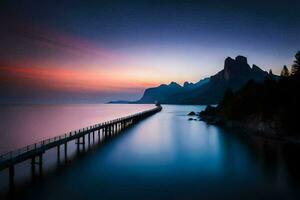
x: 165, y: 156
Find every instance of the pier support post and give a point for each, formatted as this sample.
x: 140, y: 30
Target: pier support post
x: 33, y: 167
x: 66, y: 149
x: 99, y: 135
x: 89, y: 139
x: 93, y: 137
x: 41, y: 164
x: 78, y: 141
x: 105, y: 132
x: 83, y: 142
x: 58, y: 153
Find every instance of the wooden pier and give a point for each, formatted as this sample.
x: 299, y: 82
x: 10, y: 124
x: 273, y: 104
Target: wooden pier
x: 35, y: 151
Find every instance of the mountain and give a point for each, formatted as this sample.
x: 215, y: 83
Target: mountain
x: 188, y: 85
x: 164, y: 93
x: 119, y: 102
x: 270, y: 108
x: 236, y: 73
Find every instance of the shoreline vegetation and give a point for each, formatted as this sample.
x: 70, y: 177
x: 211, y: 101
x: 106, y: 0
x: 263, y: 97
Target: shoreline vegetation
x: 269, y: 109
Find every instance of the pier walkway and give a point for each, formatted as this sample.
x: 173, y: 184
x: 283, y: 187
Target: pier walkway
x: 35, y: 151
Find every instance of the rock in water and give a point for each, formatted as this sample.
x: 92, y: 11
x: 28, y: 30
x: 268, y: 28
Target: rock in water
x: 192, y: 113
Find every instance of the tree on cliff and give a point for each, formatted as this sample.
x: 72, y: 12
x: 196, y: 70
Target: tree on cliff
x: 285, y: 71
x: 296, y: 65
x: 274, y: 103
x: 270, y: 72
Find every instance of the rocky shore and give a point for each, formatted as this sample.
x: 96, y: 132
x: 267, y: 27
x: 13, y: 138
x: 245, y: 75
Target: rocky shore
x: 270, y: 108
x: 252, y: 125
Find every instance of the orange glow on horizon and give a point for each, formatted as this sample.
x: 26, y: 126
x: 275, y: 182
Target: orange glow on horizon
x: 71, y: 64
x: 76, y: 79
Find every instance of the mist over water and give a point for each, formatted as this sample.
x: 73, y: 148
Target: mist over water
x: 165, y: 156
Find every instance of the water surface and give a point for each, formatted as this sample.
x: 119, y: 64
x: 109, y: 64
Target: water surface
x: 166, y: 156
x: 21, y: 125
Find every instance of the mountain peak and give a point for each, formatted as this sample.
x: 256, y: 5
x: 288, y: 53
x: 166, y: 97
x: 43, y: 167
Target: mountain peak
x: 163, y: 85
x: 186, y: 84
x: 241, y: 59
x: 228, y: 60
x: 235, y: 74
x: 236, y: 67
x: 174, y: 84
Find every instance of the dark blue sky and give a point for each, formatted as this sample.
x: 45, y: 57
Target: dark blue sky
x: 158, y: 41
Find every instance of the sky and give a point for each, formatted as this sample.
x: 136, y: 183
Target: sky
x: 97, y: 51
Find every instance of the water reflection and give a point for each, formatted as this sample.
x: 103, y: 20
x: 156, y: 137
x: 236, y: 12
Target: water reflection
x: 168, y: 157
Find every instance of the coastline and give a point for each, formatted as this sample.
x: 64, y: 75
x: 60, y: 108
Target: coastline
x: 255, y: 128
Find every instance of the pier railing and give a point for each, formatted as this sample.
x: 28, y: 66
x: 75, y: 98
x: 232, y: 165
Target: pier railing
x: 42, y: 145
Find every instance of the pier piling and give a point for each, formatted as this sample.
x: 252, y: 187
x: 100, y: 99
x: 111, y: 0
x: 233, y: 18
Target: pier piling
x: 66, y: 149
x: 41, y: 164
x: 58, y: 153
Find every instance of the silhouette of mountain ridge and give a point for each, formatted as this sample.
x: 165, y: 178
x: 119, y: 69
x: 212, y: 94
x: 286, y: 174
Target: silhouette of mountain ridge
x: 236, y: 73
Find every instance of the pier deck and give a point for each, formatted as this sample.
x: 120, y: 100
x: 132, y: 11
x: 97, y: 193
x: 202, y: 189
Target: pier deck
x: 34, y: 151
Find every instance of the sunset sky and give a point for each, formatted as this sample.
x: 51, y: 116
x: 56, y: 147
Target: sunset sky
x: 96, y: 51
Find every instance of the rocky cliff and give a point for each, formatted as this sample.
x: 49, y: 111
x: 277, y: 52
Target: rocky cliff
x: 235, y: 73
